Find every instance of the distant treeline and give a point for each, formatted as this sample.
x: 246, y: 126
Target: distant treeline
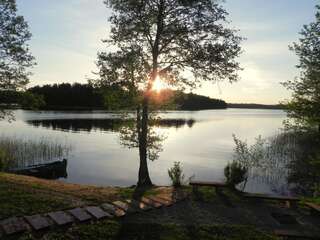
x: 192, y: 101
x: 69, y: 96
x: 78, y: 96
x: 84, y: 96
x: 255, y: 106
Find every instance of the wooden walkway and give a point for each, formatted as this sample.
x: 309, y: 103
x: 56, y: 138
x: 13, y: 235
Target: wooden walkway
x: 116, y: 209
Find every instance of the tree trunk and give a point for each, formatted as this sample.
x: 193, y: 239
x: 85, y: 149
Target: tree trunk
x: 142, y: 128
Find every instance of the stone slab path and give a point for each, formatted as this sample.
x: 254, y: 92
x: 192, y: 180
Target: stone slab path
x: 43, y: 222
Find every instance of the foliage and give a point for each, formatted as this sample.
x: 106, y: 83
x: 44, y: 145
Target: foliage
x: 176, y: 174
x: 235, y: 173
x: 78, y: 95
x: 290, y: 157
x: 166, y: 38
x: 305, y: 165
x: 197, y: 102
x: 304, y: 107
x: 249, y: 156
x: 32, y: 101
x: 23, y: 152
x: 15, y: 58
x: 129, y: 138
x: 265, y: 157
x: 95, y: 96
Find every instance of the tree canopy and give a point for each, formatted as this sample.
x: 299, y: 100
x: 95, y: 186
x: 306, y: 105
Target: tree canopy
x: 15, y: 58
x: 304, y: 108
x: 182, y: 41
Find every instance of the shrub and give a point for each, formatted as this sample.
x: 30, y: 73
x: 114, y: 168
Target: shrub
x: 235, y: 173
x: 176, y: 174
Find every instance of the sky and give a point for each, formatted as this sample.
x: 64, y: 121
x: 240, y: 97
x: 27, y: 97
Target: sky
x: 67, y: 36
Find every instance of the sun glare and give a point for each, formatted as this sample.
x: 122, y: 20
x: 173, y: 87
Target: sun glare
x: 158, y: 85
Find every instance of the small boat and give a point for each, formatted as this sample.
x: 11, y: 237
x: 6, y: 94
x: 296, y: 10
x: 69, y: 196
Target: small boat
x: 54, y: 170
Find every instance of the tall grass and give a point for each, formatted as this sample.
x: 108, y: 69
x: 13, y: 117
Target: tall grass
x: 268, y: 159
x: 20, y: 152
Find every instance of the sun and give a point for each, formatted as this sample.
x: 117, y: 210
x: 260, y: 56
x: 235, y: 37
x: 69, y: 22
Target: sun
x: 158, y: 85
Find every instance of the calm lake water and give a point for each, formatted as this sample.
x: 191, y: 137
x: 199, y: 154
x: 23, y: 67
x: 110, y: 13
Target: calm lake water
x: 201, y: 140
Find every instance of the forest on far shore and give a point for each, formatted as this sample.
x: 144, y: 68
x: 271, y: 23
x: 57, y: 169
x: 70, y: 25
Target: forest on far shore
x: 78, y: 96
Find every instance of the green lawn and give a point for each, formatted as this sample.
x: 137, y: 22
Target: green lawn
x: 21, y: 195
x: 113, y: 230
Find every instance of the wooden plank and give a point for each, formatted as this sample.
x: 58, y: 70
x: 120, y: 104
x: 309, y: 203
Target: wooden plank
x: 162, y: 201
x: 151, y: 203
x: 166, y: 198
x: 140, y: 205
x: 208, y: 184
x: 125, y: 207
x: 313, y: 206
x: 115, y: 211
x: 270, y: 197
x: 291, y: 233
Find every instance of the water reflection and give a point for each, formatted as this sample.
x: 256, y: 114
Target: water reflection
x: 202, y: 141
x: 106, y: 125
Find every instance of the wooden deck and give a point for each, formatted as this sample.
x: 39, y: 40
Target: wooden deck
x: 314, y: 207
x: 289, y: 200
x: 294, y: 234
x: 208, y: 184
x: 216, y: 185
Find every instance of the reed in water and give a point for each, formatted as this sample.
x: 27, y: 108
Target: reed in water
x: 22, y: 152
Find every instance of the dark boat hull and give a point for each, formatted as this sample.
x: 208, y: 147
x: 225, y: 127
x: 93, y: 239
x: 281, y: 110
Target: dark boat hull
x: 54, y: 170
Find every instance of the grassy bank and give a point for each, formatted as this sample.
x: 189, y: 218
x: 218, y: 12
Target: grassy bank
x: 113, y: 230
x: 22, y: 195
x: 205, y: 216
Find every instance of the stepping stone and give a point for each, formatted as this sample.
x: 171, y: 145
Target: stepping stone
x: 14, y: 225
x: 111, y: 209
x: 160, y: 200
x: 80, y: 214
x: 98, y: 213
x: 139, y: 205
x: 60, y: 218
x: 38, y: 222
x: 151, y: 203
x: 125, y: 206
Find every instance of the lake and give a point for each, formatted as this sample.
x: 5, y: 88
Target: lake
x: 201, y: 140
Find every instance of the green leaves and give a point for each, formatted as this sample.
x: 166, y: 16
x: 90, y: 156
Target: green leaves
x: 304, y: 107
x: 171, y: 38
x: 15, y: 58
x: 176, y: 174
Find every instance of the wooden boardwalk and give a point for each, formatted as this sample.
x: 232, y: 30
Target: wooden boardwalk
x: 116, y: 209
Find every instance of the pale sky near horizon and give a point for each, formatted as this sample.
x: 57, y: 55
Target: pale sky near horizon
x: 67, y: 36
